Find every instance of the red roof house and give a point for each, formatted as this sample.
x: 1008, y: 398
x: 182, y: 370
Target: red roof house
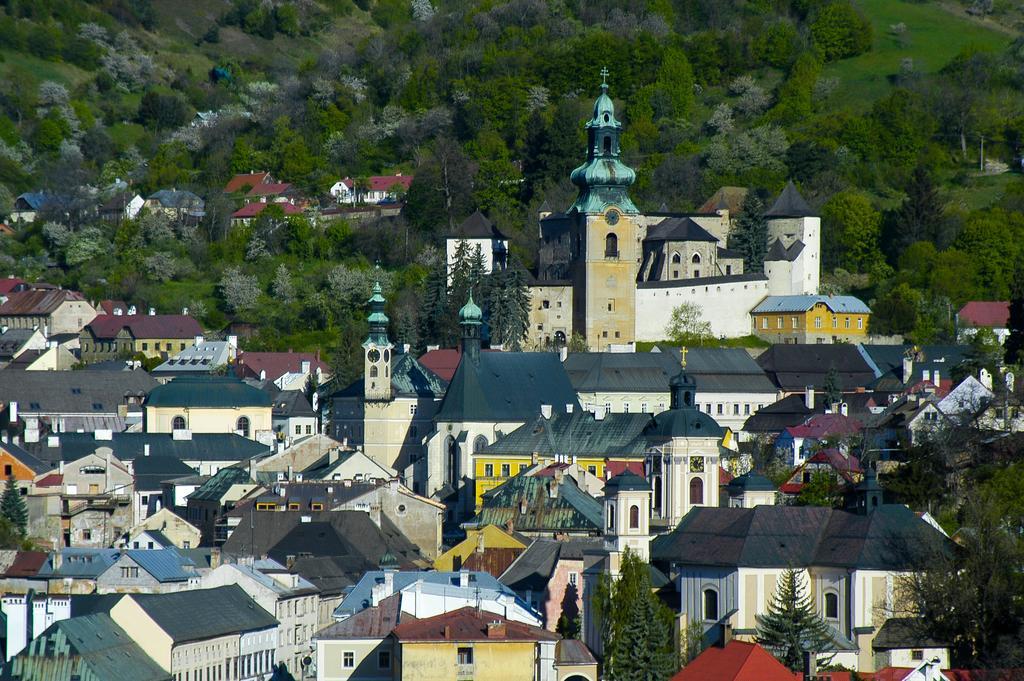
x: 847, y: 469
x: 469, y: 624
x: 9, y: 284
x: 736, y: 661
x: 252, y: 210
x: 444, y: 362
x: 271, y: 366
x: 991, y: 314
x: 240, y: 182
x: 176, y: 326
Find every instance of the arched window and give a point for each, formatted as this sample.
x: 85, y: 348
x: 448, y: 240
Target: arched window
x: 373, y: 371
x: 696, y: 492
x: 452, y: 452
x: 710, y: 605
x: 634, y: 517
x: 611, y: 516
x: 607, y: 144
x: 676, y: 258
x: 178, y: 423
x: 832, y: 606
x: 611, y: 246
x: 479, y: 443
x: 695, y: 259
x: 242, y: 426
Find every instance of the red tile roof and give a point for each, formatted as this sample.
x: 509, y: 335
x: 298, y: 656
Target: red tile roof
x: 613, y: 468
x: 444, y: 362
x: 270, y: 189
x: 469, y: 624
x: 51, y: 480
x: 825, y: 425
x: 737, y: 661
x: 8, y: 284
x: 26, y: 564
x: 276, y: 364
x: 382, y: 183
x: 239, y: 182
x: 146, y: 326
x: 251, y: 210
x: 724, y: 476
x: 900, y: 673
x: 110, y: 306
x: 37, y: 302
x: 985, y: 313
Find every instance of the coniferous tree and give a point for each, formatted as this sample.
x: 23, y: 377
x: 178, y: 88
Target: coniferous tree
x: 750, y: 235
x: 636, y: 628
x: 791, y: 627
x: 833, y: 386
x: 12, y: 506
x: 433, y: 315
x: 919, y: 217
x: 508, y: 304
x: 1014, y: 345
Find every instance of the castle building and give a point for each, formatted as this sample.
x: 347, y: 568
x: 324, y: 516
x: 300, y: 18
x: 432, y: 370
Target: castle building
x: 617, y: 273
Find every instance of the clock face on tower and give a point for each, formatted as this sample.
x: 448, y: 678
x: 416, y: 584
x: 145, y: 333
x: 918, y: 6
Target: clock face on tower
x: 612, y: 217
x: 697, y: 464
x: 373, y: 355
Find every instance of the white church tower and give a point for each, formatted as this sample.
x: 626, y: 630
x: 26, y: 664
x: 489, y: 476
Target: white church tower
x: 627, y: 515
x: 793, y: 261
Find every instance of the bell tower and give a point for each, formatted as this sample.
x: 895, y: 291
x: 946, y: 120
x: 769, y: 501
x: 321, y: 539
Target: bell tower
x: 378, y: 352
x: 627, y: 514
x: 604, y: 247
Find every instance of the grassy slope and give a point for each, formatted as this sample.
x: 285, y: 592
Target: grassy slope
x: 934, y: 36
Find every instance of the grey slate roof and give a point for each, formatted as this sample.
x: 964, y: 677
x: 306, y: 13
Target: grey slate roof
x: 776, y: 417
x: 534, y: 567
x: 904, y: 632
x: 165, y: 565
x: 887, y: 363
x: 789, y: 204
x: 36, y: 464
x: 12, y: 340
x: 409, y: 378
x: 704, y: 281
x: 79, y: 562
x: 290, y: 404
x: 570, y: 510
x: 803, y: 303
x: 794, y: 367
x: 679, y: 229
x: 626, y: 481
x: 132, y: 446
x: 196, y: 359
x: 207, y: 391
x: 98, y: 648
x: 506, y: 386
x: 578, y: 433
x: 205, y: 613
x: 150, y: 471
x: 891, y: 537
x: 215, y: 488
x: 751, y: 481
x: 477, y: 226
x: 72, y: 392
x: 779, y: 252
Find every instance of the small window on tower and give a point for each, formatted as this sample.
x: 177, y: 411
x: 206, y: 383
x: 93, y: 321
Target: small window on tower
x: 607, y: 142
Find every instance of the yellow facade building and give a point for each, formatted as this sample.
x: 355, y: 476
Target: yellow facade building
x: 209, y: 404
x: 111, y: 336
x: 811, y: 319
x: 477, y: 538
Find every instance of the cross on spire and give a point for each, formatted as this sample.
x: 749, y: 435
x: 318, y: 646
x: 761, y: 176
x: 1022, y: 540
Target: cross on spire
x: 604, y: 77
x: 682, y: 355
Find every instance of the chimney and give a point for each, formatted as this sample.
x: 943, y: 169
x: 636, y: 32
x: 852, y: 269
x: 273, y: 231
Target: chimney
x: 553, y: 489
x: 305, y: 366
x: 599, y: 413
x: 152, y: 312
x: 534, y: 458
x: 563, y: 353
x: 132, y: 310
x: 810, y: 665
x: 568, y: 407
x: 479, y: 542
x: 510, y: 526
x: 389, y: 581
x: 233, y: 341
x: 926, y: 375
x: 809, y: 397
x: 545, y: 411
x: 496, y: 629
x: 215, y: 557
x: 844, y: 409
x: 16, y: 441
x: 725, y: 635
x: 522, y: 509
x: 935, y: 378
x: 463, y: 578
x: 14, y: 411
x: 58, y: 560
x: 908, y: 367
x: 184, y: 311
x: 198, y: 340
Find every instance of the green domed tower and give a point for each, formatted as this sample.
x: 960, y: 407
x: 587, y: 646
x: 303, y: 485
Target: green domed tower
x: 378, y: 350
x: 603, y: 179
x: 470, y: 319
x: 604, y: 230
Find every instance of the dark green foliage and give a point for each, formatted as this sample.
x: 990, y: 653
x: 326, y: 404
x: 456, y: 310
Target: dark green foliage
x: 13, y: 508
x: 636, y: 627
x: 162, y: 110
x: 833, y: 387
x: 509, y: 306
x: 822, y: 490
x: 750, y: 235
x: 840, y: 31
x: 791, y: 627
x: 1014, y: 345
x: 919, y: 217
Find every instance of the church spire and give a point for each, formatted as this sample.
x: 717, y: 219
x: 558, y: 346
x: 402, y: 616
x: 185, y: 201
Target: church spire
x: 378, y: 319
x: 470, y: 319
x: 604, y: 179
x: 683, y: 388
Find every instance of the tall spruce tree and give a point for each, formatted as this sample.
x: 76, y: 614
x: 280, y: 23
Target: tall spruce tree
x: 433, y: 313
x: 12, y: 506
x: 636, y: 628
x: 1014, y: 345
x: 508, y: 306
x: 750, y: 234
x: 791, y: 627
x: 833, y: 386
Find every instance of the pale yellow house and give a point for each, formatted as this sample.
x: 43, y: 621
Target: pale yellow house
x: 111, y: 336
x: 179, y: 531
x: 209, y: 404
x: 811, y: 319
x: 477, y: 539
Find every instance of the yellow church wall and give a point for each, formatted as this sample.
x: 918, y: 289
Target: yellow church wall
x: 610, y: 314
x: 493, y: 538
x: 505, y: 660
x: 490, y: 471
x: 208, y: 420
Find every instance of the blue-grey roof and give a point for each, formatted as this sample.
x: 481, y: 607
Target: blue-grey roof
x: 132, y: 446
x: 151, y: 471
x: 358, y: 597
x: 803, y: 303
x: 40, y: 200
x: 569, y: 510
x: 215, y: 488
x: 176, y: 198
x: 409, y: 378
x: 200, y: 614
x: 207, y: 391
x: 506, y: 386
x: 576, y: 434
x: 253, y: 572
x: 79, y: 562
x: 196, y: 359
x: 165, y: 565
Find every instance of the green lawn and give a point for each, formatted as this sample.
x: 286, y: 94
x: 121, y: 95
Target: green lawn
x: 933, y: 37
x: 29, y: 71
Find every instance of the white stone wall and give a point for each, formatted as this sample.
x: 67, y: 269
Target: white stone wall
x: 725, y: 306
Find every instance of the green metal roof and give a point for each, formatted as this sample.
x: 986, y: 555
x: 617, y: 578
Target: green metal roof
x: 603, y: 179
x: 409, y: 378
x: 569, y: 510
x: 470, y: 312
x: 207, y: 391
x: 626, y: 482
x: 215, y: 488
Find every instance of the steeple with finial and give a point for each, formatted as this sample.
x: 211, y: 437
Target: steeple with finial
x: 682, y: 385
x: 378, y: 350
x: 471, y: 317
x: 603, y: 179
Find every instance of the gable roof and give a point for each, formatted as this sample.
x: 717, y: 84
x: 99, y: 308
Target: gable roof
x: 821, y: 426
x: 469, y: 624
x: 239, y: 182
x: 506, y: 386
x: 890, y: 537
x: 577, y: 434
x: 779, y: 252
x: 736, y: 661
x: 725, y: 198
x: 150, y: 471
x: 444, y: 361
x: 533, y: 569
x: 789, y: 204
x: 203, y: 391
x: 374, y: 622
x: 904, y: 632
x: 270, y: 189
x: 993, y: 314
x: 794, y: 367
x: 679, y: 229
x: 160, y: 326
x: 105, y: 649
x: 37, y: 302
x: 79, y: 562
x: 492, y: 560
x: 803, y: 303
x: 251, y: 210
x: 222, y: 481
x: 72, y: 392
x: 360, y: 595
x: 201, y: 358
x: 276, y: 364
x: 570, y: 509
x: 132, y: 447
x: 176, y: 198
x: 200, y: 614
x: 164, y: 564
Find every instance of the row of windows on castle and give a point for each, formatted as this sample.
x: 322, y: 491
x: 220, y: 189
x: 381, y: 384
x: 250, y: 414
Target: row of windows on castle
x: 720, y: 408
x: 818, y: 324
